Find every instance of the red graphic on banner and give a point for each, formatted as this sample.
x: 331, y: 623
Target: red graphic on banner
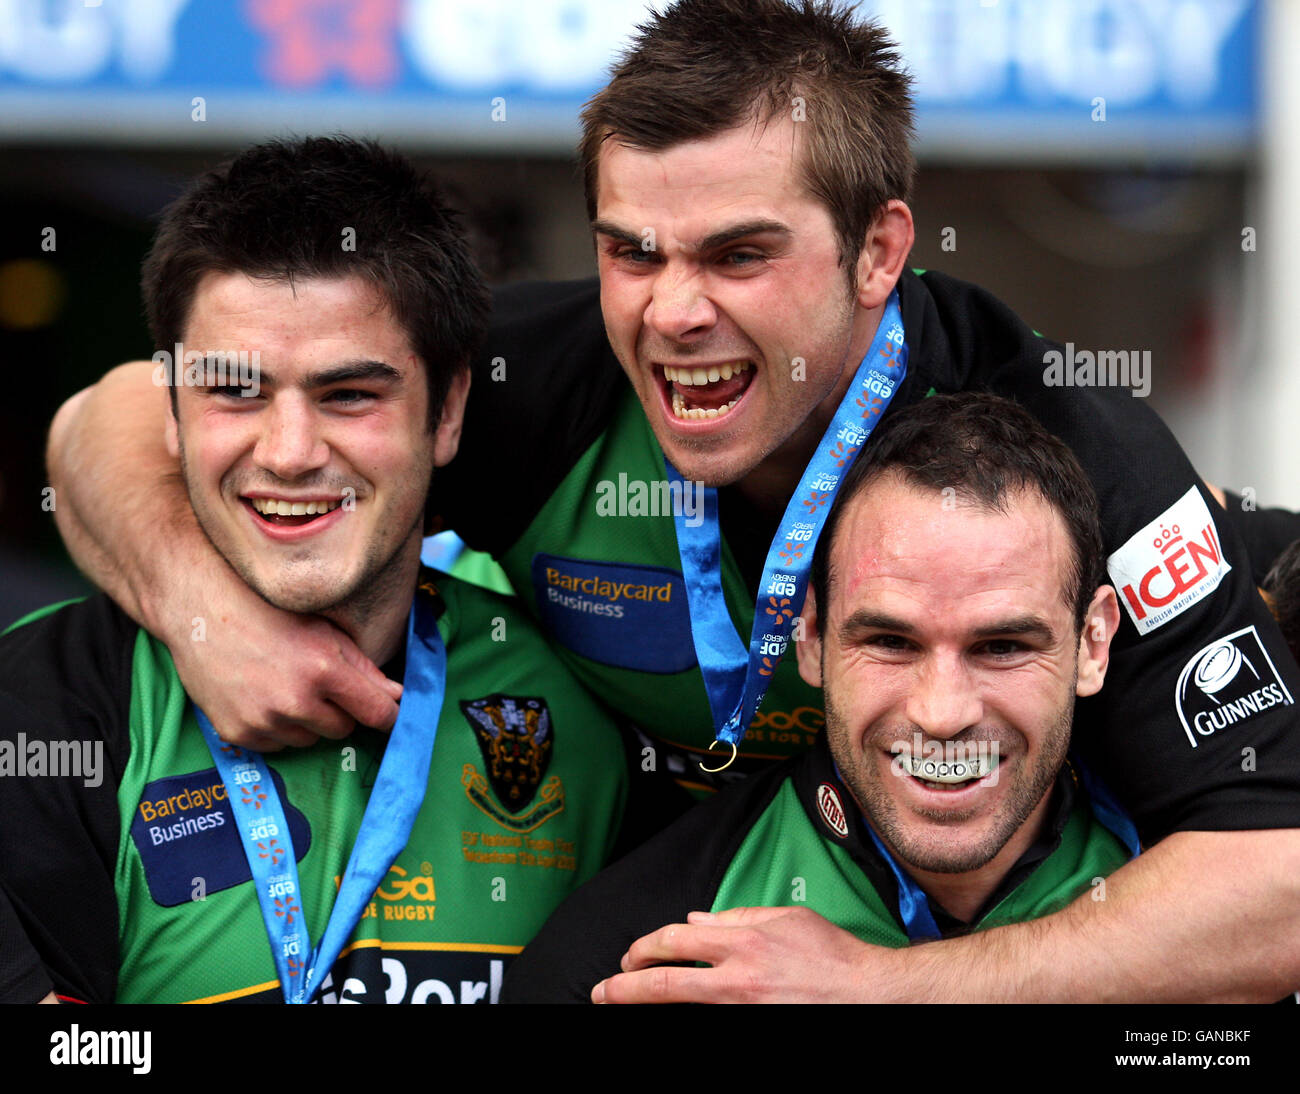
x: 309, y: 40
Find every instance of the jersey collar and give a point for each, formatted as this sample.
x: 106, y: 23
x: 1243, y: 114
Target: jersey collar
x: 836, y: 817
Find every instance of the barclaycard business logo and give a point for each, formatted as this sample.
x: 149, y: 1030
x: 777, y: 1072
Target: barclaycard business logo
x: 627, y: 615
x: 1229, y: 681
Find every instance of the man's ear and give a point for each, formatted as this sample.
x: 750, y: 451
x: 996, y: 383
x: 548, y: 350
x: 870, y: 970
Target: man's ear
x: 446, y: 439
x: 884, y: 254
x: 809, y: 649
x: 1099, y: 626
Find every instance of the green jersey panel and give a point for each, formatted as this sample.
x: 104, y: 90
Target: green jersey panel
x: 785, y: 860
x: 793, y: 835
x: 509, y: 826
x: 599, y: 567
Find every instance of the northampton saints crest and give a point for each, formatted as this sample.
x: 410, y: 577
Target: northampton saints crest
x: 514, y: 734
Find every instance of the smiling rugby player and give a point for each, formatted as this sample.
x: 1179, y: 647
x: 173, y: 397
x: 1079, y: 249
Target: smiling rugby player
x: 951, y: 634
x: 747, y: 171
x: 192, y: 871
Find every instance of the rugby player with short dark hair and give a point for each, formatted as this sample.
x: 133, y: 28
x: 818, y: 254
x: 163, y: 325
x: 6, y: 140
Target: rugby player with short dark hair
x: 1282, y: 588
x: 747, y: 170
x: 166, y: 875
x: 958, y: 610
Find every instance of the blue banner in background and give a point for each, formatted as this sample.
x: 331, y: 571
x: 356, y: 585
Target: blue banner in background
x: 992, y: 75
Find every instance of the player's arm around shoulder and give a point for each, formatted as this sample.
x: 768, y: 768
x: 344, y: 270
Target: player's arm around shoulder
x: 114, y: 480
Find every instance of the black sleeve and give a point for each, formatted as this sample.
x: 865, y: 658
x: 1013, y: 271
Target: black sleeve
x: 64, y: 679
x: 1266, y: 532
x: 543, y: 390
x: 1243, y: 775
x: 23, y: 978
x: 677, y: 872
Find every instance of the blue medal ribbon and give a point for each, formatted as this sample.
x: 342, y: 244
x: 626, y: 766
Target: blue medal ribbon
x: 385, y: 826
x: 1107, y: 809
x: 736, y: 678
x: 913, y: 904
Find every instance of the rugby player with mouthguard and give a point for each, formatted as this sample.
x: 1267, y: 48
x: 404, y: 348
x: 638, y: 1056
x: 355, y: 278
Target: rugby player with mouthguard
x: 747, y: 170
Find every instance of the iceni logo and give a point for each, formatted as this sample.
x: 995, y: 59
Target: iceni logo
x: 1170, y: 564
x: 1182, y: 565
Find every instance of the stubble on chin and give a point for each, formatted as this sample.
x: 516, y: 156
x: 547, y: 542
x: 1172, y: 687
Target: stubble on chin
x: 304, y: 584
x: 929, y: 850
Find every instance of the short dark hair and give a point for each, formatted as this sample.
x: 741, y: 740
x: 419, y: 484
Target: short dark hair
x: 705, y: 66
x: 1283, y: 588
x: 281, y: 210
x: 984, y: 447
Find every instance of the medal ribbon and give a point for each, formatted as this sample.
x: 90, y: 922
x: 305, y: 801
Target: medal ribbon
x: 735, y: 678
x: 913, y: 904
x: 385, y: 826
x: 1107, y: 809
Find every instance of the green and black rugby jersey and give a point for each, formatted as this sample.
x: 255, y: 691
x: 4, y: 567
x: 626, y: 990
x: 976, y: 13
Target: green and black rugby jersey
x: 1197, y: 727
x: 791, y: 835
x: 121, y: 874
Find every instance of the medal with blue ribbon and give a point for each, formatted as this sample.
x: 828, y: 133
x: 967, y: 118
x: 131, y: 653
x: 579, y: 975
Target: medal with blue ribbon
x: 736, y: 678
x: 385, y: 826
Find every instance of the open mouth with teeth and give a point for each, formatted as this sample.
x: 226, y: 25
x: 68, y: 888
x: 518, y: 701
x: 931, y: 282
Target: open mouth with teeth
x: 291, y: 513
x: 947, y: 775
x: 709, y: 391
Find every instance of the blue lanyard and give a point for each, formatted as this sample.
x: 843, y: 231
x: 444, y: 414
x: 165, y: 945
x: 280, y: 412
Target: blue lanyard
x: 1107, y: 809
x: 735, y: 678
x: 913, y: 904
x: 385, y: 826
